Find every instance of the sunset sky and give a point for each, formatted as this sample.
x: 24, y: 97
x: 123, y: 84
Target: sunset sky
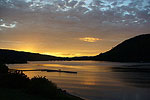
x: 71, y: 27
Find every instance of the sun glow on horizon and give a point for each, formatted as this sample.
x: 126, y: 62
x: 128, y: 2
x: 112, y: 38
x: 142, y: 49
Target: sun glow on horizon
x: 52, y: 53
x: 58, y: 54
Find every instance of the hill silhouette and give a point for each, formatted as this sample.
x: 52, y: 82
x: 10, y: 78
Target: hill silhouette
x: 12, y: 56
x: 136, y: 49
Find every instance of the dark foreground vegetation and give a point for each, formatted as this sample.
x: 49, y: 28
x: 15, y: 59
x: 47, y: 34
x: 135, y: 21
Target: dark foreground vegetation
x: 17, y: 86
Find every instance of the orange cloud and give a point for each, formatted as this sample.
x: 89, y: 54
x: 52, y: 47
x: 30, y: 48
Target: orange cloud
x: 90, y: 39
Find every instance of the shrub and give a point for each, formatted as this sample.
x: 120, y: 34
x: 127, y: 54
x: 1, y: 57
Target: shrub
x: 3, y: 68
x: 41, y: 85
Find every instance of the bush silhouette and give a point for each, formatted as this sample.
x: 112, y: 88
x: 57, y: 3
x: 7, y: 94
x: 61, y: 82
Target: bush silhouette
x: 41, y: 85
x: 3, y: 68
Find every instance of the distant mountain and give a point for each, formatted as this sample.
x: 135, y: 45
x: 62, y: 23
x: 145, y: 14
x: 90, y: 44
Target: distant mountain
x: 11, y: 56
x: 136, y: 49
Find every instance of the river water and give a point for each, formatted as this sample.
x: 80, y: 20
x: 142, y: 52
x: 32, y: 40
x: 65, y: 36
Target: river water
x: 96, y: 80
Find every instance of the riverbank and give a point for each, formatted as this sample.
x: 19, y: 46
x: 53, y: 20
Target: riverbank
x: 16, y: 86
x: 17, y: 94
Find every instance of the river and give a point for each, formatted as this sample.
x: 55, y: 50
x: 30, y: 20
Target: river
x: 96, y: 80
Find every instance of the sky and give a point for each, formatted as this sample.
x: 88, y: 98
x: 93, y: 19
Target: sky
x: 69, y: 28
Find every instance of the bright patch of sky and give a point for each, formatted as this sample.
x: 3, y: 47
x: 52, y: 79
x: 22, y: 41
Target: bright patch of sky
x: 28, y: 1
x: 89, y: 39
x: 8, y: 25
x: 124, y: 3
x: 4, y: 25
x: 1, y: 20
x: 126, y: 13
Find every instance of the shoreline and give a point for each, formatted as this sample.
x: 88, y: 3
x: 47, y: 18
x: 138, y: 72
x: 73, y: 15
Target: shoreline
x: 21, y: 82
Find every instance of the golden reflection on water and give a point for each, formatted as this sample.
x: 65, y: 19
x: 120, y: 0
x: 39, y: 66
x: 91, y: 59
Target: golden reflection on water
x: 95, y: 79
x: 83, y: 71
x: 88, y: 81
x: 61, y: 66
x: 31, y: 74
